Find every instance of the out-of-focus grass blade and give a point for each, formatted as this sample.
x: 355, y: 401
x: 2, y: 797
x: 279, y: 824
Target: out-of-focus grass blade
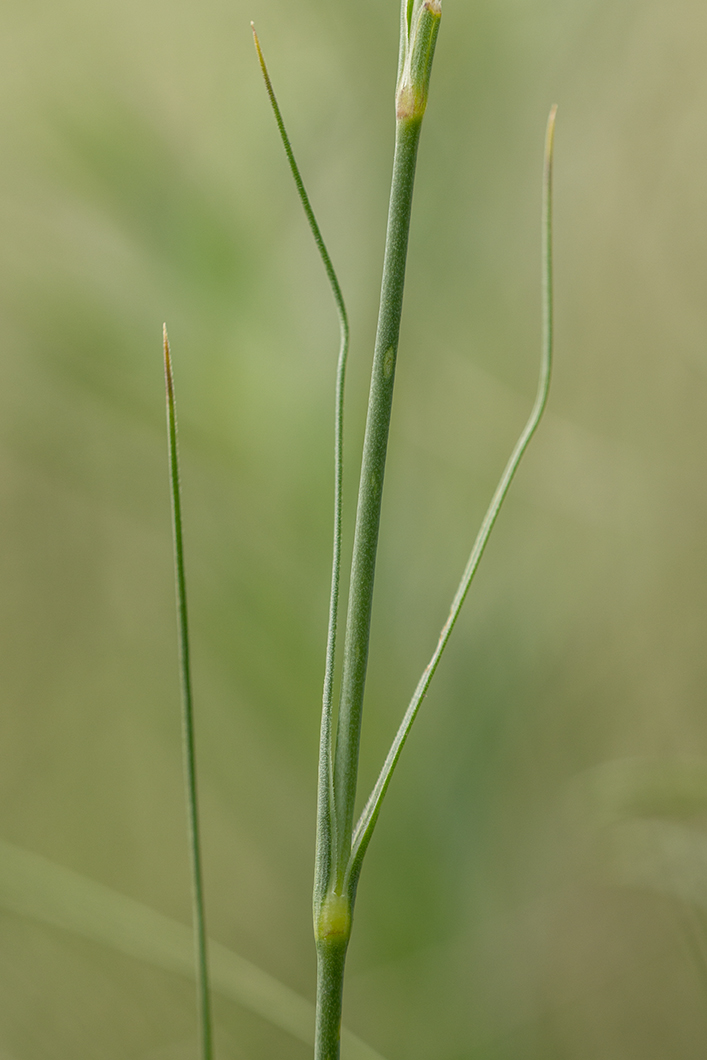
x: 643, y: 818
x: 625, y: 788
x: 33, y: 886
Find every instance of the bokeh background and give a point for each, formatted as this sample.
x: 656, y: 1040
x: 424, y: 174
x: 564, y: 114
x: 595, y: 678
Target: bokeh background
x: 535, y: 889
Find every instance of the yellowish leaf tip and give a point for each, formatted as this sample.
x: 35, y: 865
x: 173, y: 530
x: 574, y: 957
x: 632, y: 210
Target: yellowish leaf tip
x: 258, y: 49
x: 165, y: 345
x: 550, y: 134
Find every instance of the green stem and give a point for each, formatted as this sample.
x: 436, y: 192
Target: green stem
x: 330, y: 989
x: 333, y: 909
x: 202, y: 975
x: 375, y: 446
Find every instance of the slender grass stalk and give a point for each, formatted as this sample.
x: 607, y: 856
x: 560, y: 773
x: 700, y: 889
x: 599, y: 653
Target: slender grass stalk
x: 326, y: 822
x: 200, y: 942
x: 411, y: 99
x: 371, y: 490
x: 333, y: 901
x: 340, y: 847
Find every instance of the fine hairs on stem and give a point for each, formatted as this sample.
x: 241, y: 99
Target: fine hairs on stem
x: 340, y: 844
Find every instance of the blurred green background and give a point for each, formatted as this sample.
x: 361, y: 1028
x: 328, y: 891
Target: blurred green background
x: 536, y: 885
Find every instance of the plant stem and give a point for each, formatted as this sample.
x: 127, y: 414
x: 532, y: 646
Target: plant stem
x: 331, y: 958
x: 333, y: 897
x: 370, y: 494
x: 202, y: 974
x: 333, y: 910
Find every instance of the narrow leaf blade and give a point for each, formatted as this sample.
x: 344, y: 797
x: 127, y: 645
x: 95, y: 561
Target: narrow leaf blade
x: 200, y: 941
x: 326, y: 818
x: 367, y: 821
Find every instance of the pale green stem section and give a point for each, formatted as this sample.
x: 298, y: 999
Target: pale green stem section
x: 333, y: 913
x: 202, y: 973
x: 331, y: 959
x: 367, y: 822
x: 325, y: 796
x: 333, y: 910
x: 420, y: 20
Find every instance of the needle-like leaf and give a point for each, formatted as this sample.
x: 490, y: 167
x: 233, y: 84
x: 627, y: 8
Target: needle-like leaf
x: 326, y: 818
x: 367, y: 821
x: 202, y: 972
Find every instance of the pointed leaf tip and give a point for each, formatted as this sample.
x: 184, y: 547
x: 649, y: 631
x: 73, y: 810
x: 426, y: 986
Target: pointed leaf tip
x: 550, y: 134
x: 169, y: 385
x: 261, y: 60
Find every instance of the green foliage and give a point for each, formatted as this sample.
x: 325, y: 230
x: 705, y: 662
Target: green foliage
x: 141, y: 180
x: 340, y: 848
